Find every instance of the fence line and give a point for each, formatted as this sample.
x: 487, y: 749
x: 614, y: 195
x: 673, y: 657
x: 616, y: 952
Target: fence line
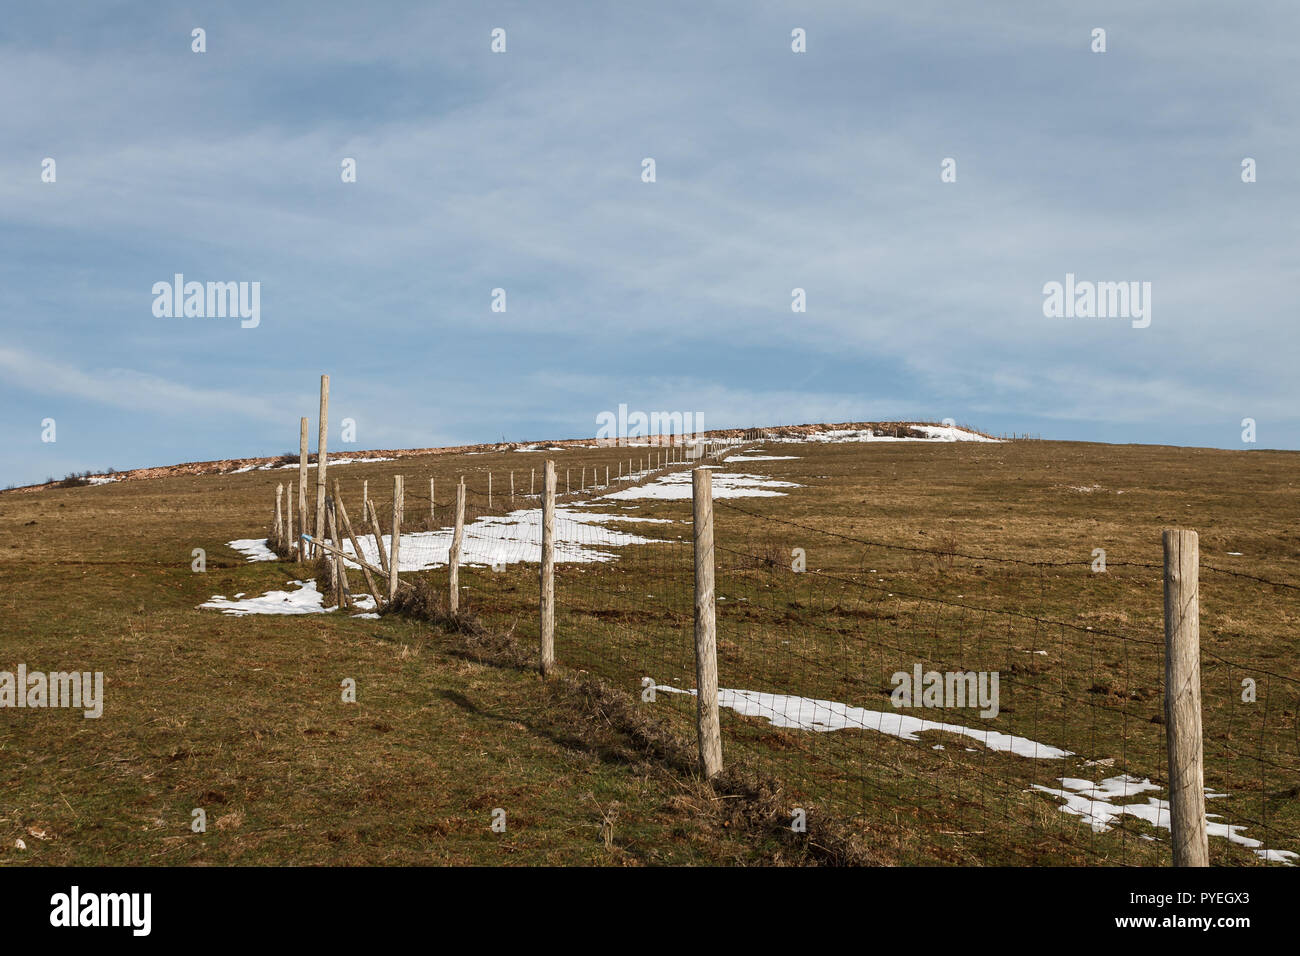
x: 816, y: 645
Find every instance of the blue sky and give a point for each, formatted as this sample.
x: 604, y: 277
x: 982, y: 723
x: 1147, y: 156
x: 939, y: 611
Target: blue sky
x: 522, y: 171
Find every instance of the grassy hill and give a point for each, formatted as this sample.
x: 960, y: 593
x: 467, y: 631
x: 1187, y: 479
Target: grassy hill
x: 970, y: 556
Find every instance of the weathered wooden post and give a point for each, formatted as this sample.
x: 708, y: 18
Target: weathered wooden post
x: 548, y: 570
x: 290, y: 541
x: 489, y: 489
x: 395, y: 542
x: 365, y: 497
x: 341, y: 589
x: 453, y: 555
x: 566, y: 480
x: 278, y: 535
x: 607, y: 476
x: 322, y: 454
x: 706, y: 635
x: 433, y: 517
x: 1183, y: 698
x: 512, y: 487
x: 302, y: 483
x: 378, y: 536
x: 356, y: 546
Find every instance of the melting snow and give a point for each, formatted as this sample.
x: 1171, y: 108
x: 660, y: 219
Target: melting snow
x: 931, y: 432
x: 806, y: 713
x: 254, y: 549
x: 1095, y: 804
x: 580, y: 538
x: 305, y: 600
x: 677, y: 486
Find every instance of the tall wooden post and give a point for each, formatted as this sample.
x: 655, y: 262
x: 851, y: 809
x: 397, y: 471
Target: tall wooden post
x: 453, y: 554
x: 365, y: 498
x: 322, y: 453
x: 302, y: 483
x: 548, y: 570
x: 489, y: 489
x: 433, y: 516
x: 395, y: 541
x: 512, y: 487
x: 607, y: 476
x: 532, y: 473
x: 706, y: 634
x: 1183, y: 698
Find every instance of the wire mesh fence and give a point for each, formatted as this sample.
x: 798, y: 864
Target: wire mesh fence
x: 961, y: 706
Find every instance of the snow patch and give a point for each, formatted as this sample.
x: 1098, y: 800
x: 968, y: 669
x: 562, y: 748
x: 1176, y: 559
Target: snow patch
x: 806, y: 713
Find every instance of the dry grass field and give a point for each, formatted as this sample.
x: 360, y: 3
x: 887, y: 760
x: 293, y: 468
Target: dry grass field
x: 955, y: 556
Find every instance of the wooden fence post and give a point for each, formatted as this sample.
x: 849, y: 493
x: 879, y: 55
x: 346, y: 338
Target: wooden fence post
x: 566, y: 480
x: 290, y: 541
x: 356, y: 546
x: 548, y: 570
x: 340, y: 570
x: 607, y: 476
x: 395, y: 542
x: 706, y: 634
x: 279, y: 517
x: 365, y: 497
x: 302, y: 483
x: 378, y: 535
x: 453, y: 554
x: 433, y: 516
x: 512, y: 487
x: 1183, y: 698
x: 322, y: 454
x: 489, y: 489
x: 532, y: 473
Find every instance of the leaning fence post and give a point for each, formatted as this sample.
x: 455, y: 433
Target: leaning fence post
x: 1183, y: 699
x: 378, y: 535
x: 395, y: 542
x: 548, y: 570
x: 453, y: 555
x: 341, y: 513
x: 706, y: 633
